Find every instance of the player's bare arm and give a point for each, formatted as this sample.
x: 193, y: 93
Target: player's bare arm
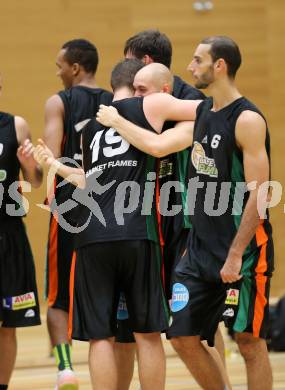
x: 160, y: 107
x: 250, y: 137
x: 157, y: 145
x: 54, y: 124
x: 45, y: 157
x: 31, y: 170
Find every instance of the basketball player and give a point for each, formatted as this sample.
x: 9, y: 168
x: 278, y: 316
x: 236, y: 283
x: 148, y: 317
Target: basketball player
x: 133, y: 270
x: 19, y: 306
x: 230, y: 255
x: 153, y: 46
x: 65, y: 115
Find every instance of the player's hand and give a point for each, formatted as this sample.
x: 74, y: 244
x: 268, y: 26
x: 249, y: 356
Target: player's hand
x: 25, y: 154
x: 43, y: 155
x: 230, y: 272
x: 107, y: 115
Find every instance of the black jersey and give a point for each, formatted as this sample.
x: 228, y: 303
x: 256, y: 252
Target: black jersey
x: 217, y: 162
x: 174, y: 167
x: 9, y: 167
x: 80, y: 105
x: 127, y: 180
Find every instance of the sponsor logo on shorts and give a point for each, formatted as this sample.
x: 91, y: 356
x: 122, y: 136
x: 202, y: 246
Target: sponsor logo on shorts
x: 30, y: 313
x: 122, y: 312
x: 229, y: 313
x: 20, y: 302
x: 232, y: 296
x: 180, y: 297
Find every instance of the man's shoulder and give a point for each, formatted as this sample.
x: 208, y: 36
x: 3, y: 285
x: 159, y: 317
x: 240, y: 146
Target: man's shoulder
x: 183, y: 90
x: 5, y: 116
x: 83, y: 90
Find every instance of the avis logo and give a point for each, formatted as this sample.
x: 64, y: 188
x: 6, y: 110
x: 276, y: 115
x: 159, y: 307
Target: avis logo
x: 180, y: 297
x: 20, y: 302
x: 232, y: 296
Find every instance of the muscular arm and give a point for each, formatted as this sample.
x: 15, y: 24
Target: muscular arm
x: 159, y: 107
x: 54, y: 124
x: 250, y: 136
x: 32, y: 172
x: 157, y: 145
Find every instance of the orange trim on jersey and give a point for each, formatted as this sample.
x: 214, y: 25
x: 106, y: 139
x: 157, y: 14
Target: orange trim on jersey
x: 260, y: 279
x: 52, y: 261
x: 71, y: 295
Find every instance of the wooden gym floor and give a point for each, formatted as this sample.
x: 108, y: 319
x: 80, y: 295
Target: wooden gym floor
x: 35, y: 370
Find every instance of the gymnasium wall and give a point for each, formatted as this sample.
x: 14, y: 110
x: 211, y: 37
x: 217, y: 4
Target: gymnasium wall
x: 33, y: 31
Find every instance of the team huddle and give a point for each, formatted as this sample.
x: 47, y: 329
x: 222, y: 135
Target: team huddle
x: 158, y: 222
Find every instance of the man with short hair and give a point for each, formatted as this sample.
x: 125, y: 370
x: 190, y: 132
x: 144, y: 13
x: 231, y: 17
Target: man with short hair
x: 65, y: 115
x: 153, y: 46
x: 19, y: 306
x: 229, y: 259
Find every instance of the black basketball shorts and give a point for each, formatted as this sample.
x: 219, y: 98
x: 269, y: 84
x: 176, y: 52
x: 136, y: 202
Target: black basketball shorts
x: 104, y: 270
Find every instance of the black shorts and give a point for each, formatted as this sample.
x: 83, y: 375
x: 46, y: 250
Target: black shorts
x: 60, y: 250
x: 173, y: 250
x: 104, y: 270
x: 198, y: 305
x: 18, y: 291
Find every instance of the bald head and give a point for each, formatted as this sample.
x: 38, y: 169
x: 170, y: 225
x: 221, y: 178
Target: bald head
x: 152, y: 78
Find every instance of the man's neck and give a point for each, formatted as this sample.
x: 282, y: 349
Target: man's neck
x: 123, y: 93
x: 86, y: 80
x: 223, y: 93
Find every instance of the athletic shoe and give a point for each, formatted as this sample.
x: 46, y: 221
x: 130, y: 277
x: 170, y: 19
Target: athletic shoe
x: 66, y: 380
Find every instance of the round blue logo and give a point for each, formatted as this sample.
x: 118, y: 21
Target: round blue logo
x: 122, y: 312
x: 180, y: 297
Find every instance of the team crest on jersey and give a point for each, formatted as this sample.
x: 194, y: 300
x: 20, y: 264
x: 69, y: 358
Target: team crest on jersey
x: 232, y: 297
x: 20, y: 301
x: 3, y: 175
x: 203, y: 164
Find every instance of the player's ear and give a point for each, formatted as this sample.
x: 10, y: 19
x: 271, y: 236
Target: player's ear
x: 166, y: 89
x: 220, y: 64
x: 147, y: 59
x: 75, y: 68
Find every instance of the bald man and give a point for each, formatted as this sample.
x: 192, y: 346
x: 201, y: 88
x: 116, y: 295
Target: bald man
x: 155, y: 77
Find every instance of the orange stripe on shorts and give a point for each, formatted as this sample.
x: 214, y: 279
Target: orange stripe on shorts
x: 52, y: 261
x: 71, y: 295
x: 260, y: 279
